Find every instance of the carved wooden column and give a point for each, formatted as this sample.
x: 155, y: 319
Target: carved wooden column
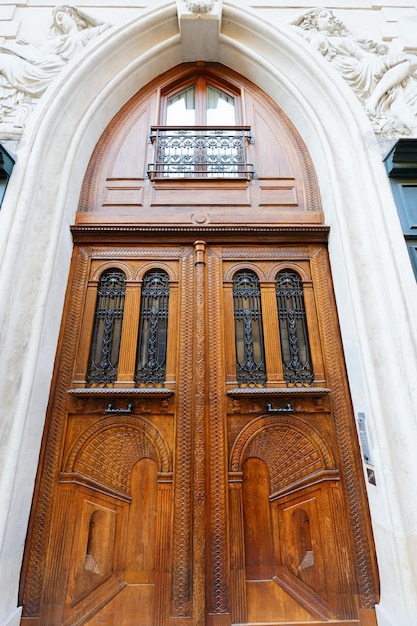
x: 199, y: 440
x: 85, y: 338
x: 182, y: 535
x: 271, y: 332
x: 218, y: 611
x: 126, y: 369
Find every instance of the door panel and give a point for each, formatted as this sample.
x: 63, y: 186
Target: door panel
x: 201, y: 499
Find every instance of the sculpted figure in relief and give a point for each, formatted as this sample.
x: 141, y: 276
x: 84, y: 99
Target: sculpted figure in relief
x: 27, y: 69
x: 386, y: 84
x: 199, y: 6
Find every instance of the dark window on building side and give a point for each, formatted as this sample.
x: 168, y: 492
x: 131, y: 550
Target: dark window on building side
x: 6, y: 167
x: 401, y: 165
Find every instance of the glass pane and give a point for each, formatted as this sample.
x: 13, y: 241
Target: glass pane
x: 107, y: 331
x: 250, y: 353
x: 296, y: 359
x: 181, y: 108
x: 153, y: 328
x: 220, y: 108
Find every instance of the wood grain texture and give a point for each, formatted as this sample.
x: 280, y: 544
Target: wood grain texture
x: 204, y: 503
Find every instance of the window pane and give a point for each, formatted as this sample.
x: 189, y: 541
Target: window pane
x: 107, y: 332
x: 250, y: 353
x: 153, y: 328
x: 181, y: 108
x: 220, y: 108
x: 296, y: 359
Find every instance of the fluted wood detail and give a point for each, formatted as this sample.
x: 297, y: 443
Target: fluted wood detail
x: 163, y: 550
x: 218, y: 584
x: 182, y: 545
x: 237, y: 551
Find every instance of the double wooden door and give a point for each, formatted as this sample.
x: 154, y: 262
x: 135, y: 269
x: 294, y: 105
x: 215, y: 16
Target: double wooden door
x: 212, y: 477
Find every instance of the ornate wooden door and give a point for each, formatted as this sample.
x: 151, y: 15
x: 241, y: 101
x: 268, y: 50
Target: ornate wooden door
x: 200, y: 463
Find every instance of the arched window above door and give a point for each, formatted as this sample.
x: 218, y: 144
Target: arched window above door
x: 201, y: 103
x: 200, y: 136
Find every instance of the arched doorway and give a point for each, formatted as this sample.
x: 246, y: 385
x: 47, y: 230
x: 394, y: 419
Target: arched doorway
x: 200, y: 462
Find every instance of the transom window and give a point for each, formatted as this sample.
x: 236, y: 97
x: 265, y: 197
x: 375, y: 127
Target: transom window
x: 200, y: 104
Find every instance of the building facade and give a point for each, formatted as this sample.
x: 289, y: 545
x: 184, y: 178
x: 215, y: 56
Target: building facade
x: 219, y: 462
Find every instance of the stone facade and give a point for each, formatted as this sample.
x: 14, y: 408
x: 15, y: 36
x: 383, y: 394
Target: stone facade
x: 346, y: 76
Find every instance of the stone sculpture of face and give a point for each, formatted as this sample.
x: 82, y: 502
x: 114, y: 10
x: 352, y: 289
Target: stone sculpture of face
x: 325, y: 21
x: 65, y: 22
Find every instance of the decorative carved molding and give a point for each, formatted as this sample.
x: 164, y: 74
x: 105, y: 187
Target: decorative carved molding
x: 50, y: 457
x: 26, y: 70
x: 218, y: 558
x: 385, y: 83
x: 346, y: 433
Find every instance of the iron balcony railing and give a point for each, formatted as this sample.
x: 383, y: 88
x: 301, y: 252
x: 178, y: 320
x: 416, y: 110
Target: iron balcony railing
x: 200, y: 152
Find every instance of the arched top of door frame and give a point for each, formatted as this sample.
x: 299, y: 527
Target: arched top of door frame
x: 122, y: 135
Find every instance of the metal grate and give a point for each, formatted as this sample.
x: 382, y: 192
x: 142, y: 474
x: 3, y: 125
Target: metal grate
x: 200, y: 152
x: 153, y: 328
x: 250, y: 351
x: 295, y: 347
x: 105, y: 345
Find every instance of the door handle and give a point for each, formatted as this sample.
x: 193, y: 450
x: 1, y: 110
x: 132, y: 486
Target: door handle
x: 287, y: 408
x: 112, y: 409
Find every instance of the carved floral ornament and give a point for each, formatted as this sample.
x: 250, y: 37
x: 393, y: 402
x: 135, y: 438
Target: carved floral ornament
x: 385, y: 83
x: 199, y: 6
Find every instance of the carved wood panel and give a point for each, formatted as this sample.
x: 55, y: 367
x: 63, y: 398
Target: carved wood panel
x: 199, y: 501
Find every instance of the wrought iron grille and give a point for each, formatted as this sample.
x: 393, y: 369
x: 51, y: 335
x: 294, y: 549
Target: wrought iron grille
x: 296, y: 358
x: 107, y: 331
x: 153, y: 328
x: 250, y: 351
x: 200, y: 152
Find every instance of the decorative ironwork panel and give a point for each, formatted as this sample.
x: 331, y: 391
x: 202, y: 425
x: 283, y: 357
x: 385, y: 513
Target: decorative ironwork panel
x: 200, y: 152
x: 105, y: 345
x: 296, y: 358
x: 153, y: 328
x: 250, y: 351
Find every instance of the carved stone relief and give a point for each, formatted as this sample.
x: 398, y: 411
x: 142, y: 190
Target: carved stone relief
x: 385, y: 83
x: 199, y: 6
x: 27, y: 69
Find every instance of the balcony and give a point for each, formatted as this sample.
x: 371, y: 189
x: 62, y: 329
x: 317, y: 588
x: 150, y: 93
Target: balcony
x: 200, y: 152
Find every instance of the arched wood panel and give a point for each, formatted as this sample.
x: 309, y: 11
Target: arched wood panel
x: 117, y: 189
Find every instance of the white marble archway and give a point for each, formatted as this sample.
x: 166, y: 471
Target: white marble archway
x: 374, y: 286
